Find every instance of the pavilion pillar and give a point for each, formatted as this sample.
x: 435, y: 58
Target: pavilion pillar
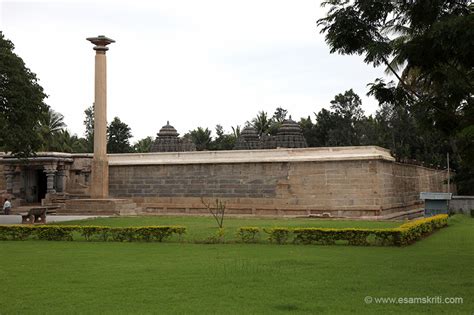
x: 50, y: 176
x: 9, y: 174
x: 99, y: 187
x: 61, y: 179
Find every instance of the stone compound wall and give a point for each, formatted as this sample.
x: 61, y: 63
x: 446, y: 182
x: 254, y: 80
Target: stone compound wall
x: 351, y: 181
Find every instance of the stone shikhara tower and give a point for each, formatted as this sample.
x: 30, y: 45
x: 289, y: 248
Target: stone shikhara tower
x: 100, y: 163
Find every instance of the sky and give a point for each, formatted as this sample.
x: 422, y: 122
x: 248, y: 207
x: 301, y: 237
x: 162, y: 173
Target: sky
x: 192, y: 63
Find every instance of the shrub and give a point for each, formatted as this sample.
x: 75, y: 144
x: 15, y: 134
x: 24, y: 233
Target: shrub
x: 278, y: 235
x: 413, y: 231
x: 327, y: 236
x: 101, y: 233
x: 15, y: 232
x: 405, y: 234
x: 157, y: 233
x: 248, y: 234
x: 54, y: 232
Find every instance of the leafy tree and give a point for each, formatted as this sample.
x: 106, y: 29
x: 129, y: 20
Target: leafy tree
x: 223, y: 141
x: 21, y: 103
x: 51, y: 125
x: 432, y: 41
x: 309, y: 133
x: 89, y: 124
x: 63, y: 141
x: 280, y: 114
x: 262, y: 123
x: 143, y: 145
x: 201, y: 138
x: 347, y: 113
x: 236, y: 131
x: 119, y: 134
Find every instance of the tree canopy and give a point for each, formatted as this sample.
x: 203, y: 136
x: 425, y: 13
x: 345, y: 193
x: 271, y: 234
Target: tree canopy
x: 428, y: 46
x: 21, y: 104
x: 118, y: 134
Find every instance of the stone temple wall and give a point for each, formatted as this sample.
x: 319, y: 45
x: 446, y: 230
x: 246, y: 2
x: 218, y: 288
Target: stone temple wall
x: 349, y: 181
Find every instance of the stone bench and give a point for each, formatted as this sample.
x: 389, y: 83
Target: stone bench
x: 37, y: 215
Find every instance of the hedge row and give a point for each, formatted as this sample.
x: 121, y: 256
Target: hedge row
x: 97, y: 233
x: 405, y: 234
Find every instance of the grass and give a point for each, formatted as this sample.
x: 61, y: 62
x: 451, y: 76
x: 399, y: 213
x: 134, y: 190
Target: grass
x: 139, y: 278
x: 200, y: 228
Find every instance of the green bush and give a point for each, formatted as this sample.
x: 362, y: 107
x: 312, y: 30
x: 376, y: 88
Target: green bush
x: 99, y: 233
x: 278, y: 235
x: 54, y: 232
x: 15, y: 232
x: 248, y: 234
x: 403, y: 235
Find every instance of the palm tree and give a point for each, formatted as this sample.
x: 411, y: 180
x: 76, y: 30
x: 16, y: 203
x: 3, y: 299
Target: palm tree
x: 201, y: 138
x: 63, y: 141
x: 262, y: 123
x: 51, y: 125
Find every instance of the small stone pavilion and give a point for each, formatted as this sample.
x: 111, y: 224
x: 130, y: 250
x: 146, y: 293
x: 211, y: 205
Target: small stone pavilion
x: 167, y: 140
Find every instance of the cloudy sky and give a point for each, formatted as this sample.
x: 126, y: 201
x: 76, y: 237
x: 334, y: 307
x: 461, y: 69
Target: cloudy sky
x: 194, y: 63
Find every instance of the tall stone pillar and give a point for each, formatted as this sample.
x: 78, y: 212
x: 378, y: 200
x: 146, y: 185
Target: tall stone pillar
x: 99, y: 187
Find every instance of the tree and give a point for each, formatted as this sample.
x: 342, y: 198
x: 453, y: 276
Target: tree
x: 201, y: 138
x: 347, y: 114
x: 143, y: 145
x: 280, y: 114
x: 433, y: 42
x: 63, y: 141
x: 89, y: 124
x: 21, y: 103
x: 119, y: 134
x: 51, y: 126
x: 262, y: 123
x: 236, y: 131
x: 223, y: 141
x: 308, y: 130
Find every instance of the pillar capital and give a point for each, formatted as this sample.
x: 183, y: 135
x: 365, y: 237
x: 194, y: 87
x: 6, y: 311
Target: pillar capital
x: 101, y: 43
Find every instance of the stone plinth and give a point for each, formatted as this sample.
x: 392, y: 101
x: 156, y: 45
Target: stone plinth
x: 99, y: 207
x: 99, y: 187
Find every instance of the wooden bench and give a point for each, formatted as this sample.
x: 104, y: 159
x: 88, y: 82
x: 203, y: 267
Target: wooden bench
x: 37, y: 215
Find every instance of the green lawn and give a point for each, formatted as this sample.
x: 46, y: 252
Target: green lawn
x: 200, y: 228
x: 120, y: 278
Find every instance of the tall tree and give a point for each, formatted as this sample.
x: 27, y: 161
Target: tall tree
x: 118, y: 137
x: 63, y: 141
x: 433, y: 41
x: 223, y: 141
x: 348, y: 113
x: 21, y: 103
x: 262, y: 123
x: 201, y: 138
x: 51, y: 126
x: 89, y: 124
x: 143, y: 145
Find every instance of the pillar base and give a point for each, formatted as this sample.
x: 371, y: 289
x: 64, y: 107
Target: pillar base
x: 99, y: 179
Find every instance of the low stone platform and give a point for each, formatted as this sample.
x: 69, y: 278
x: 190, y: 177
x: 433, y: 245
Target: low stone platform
x: 110, y: 206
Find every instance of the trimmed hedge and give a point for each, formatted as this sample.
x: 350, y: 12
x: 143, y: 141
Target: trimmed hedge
x: 249, y: 234
x: 407, y: 233
x: 90, y: 233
